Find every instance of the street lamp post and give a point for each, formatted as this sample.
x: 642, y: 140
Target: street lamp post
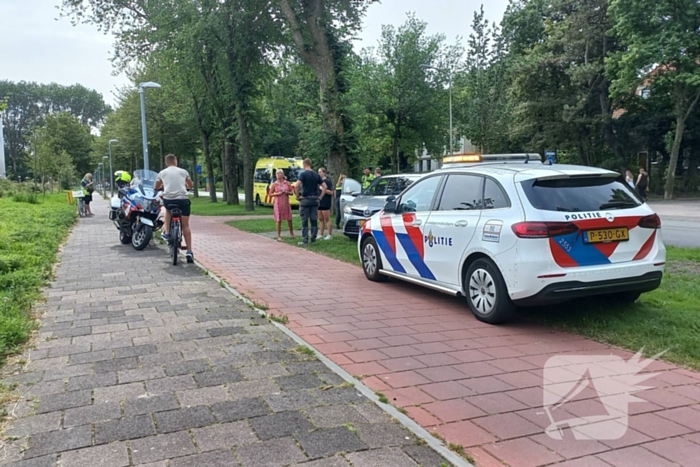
x: 104, y: 188
x: 449, y: 70
x: 142, y: 93
x: 111, y: 169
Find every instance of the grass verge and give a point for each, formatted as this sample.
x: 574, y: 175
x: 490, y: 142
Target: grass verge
x: 30, y: 234
x: 665, y: 319
x: 202, y: 206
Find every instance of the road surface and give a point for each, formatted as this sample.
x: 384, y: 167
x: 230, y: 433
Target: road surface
x: 680, y: 222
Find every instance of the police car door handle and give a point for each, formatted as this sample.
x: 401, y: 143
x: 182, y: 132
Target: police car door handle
x: 461, y: 223
x: 416, y: 223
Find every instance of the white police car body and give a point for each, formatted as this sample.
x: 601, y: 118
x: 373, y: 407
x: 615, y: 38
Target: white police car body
x: 516, y: 233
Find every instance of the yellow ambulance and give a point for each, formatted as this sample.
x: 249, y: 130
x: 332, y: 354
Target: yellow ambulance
x: 265, y: 170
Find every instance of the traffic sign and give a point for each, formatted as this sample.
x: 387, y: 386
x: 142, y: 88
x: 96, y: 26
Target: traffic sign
x: 199, y: 169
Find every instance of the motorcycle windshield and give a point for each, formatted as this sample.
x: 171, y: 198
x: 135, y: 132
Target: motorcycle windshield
x: 144, y: 182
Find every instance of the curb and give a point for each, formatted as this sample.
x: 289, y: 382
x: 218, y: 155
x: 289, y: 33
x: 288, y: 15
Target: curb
x: 420, y: 432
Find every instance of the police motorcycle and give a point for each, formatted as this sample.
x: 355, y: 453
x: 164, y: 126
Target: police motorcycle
x: 136, y: 211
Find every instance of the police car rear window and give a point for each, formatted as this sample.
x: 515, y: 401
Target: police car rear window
x: 581, y: 194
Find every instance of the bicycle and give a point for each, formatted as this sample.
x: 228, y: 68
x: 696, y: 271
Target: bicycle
x: 175, y: 232
x: 81, y: 207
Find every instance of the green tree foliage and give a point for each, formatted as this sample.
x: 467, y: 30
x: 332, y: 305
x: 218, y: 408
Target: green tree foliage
x: 662, y: 52
x: 29, y: 105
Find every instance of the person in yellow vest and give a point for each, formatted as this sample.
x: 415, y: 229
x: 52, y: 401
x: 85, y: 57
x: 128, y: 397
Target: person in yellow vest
x: 367, y: 178
x: 88, y: 188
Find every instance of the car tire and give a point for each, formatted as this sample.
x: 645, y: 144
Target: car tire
x: 487, y: 293
x: 626, y: 297
x: 371, y: 260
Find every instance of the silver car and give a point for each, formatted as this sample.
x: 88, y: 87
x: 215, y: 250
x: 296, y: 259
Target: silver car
x: 372, y: 200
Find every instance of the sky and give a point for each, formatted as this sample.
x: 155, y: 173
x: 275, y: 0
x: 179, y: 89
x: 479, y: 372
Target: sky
x: 38, y: 45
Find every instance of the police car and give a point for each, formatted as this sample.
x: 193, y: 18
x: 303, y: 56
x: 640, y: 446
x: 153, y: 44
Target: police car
x: 507, y: 231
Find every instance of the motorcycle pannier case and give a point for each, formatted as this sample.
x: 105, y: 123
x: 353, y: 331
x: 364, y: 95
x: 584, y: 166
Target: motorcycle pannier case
x: 114, y: 204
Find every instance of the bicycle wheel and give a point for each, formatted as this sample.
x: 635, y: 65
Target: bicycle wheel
x: 174, y: 240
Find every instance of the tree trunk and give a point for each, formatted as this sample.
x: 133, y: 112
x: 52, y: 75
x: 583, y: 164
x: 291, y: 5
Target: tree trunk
x: 195, y: 176
x: 224, y: 193
x: 673, y: 162
x: 395, y: 152
x: 320, y: 58
x: 230, y: 174
x: 206, y: 147
x: 248, y: 163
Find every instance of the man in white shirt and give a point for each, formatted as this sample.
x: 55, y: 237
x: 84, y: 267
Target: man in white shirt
x: 175, y: 182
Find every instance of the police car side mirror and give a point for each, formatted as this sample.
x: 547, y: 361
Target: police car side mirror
x: 356, y: 193
x: 390, y: 205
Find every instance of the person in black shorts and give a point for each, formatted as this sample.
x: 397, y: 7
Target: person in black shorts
x: 307, y: 190
x: 88, y: 189
x: 175, y: 182
x: 324, y: 205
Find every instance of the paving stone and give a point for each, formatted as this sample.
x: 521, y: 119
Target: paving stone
x: 330, y: 462
x: 203, y: 396
x: 175, y: 383
x: 381, y: 458
x: 68, y: 372
x: 328, y: 442
x: 46, y: 461
x: 384, y: 434
x: 119, y: 392
x: 109, y: 455
x: 227, y: 331
x: 425, y: 456
x: 91, y: 357
x: 35, y: 424
x: 218, y: 377
x: 208, y: 459
x: 270, y: 370
x: 224, y: 436
x: 58, y: 441
x: 91, y: 414
x: 247, y: 389
x: 291, y: 401
x: 127, y: 363
x: 184, y: 419
x: 275, y: 453
x: 92, y: 381
x: 140, y: 374
x: 187, y: 367
x: 65, y: 400
x: 276, y: 356
x: 43, y: 388
x: 156, y: 448
x: 159, y: 359
x: 240, y: 410
x: 287, y: 383
x: 334, y: 415
x: 281, y: 424
x: 340, y: 396
x: 150, y: 404
x: 124, y: 429
x: 135, y: 351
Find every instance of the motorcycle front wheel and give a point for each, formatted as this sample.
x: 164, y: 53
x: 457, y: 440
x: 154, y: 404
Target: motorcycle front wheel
x: 124, y: 238
x: 142, y: 237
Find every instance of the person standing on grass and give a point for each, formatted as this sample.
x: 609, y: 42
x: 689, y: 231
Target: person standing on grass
x: 88, y: 187
x: 338, y: 194
x: 307, y: 190
x: 175, y: 182
x: 280, y: 191
x: 324, y: 205
x: 642, y: 183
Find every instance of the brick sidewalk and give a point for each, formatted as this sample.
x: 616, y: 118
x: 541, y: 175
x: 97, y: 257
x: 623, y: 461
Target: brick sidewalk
x: 477, y: 385
x: 143, y: 363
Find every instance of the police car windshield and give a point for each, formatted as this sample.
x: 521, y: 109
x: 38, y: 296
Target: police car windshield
x: 387, y: 186
x: 582, y: 194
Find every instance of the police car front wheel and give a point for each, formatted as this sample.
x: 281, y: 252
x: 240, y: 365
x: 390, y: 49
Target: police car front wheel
x: 486, y: 292
x: 371, y: 260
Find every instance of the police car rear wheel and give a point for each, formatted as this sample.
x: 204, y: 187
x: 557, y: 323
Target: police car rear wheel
x: 371, y: 261
x: 487, y: 294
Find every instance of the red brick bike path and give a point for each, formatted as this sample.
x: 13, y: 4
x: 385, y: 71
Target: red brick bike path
x: 477, y: 385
